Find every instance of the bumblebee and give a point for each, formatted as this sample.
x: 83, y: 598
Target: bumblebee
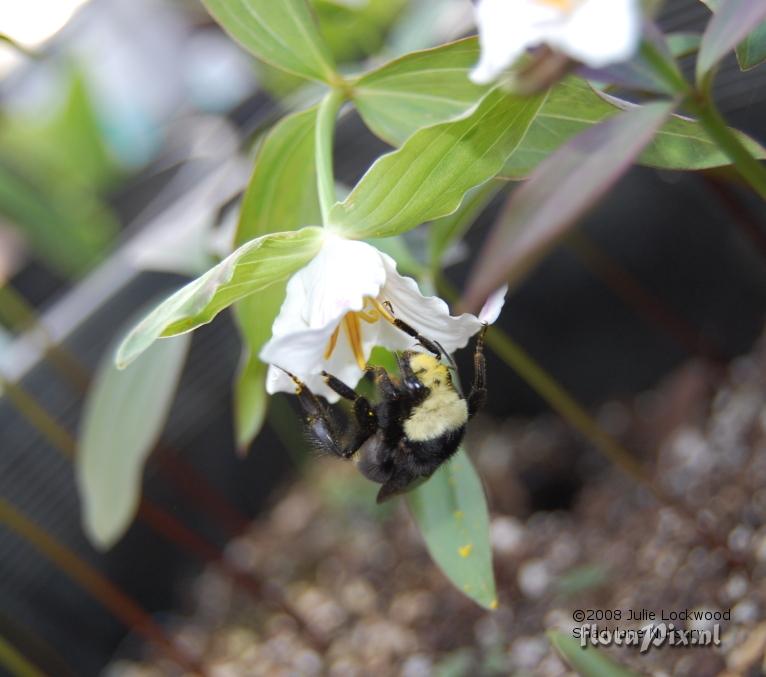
x: 416, y: 424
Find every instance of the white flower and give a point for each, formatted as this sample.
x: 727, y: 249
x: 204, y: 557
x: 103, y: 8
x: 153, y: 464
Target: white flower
x: 595, y: 32
x: 333, y: 315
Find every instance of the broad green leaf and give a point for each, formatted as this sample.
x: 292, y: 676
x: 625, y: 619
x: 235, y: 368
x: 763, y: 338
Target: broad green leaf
x: 429, y: 175
x: 751, y: 52
x: 559, y: 192
x: 282, y: 33
x: 448, y: 229
x: 418, y: 90
x: 573, y: 106
x: 354, y: 31
x: 450, y: 510
x: 281, y: 195
x: 125, y: 412
x: 282, y: 192
x: 253, y: 267
x: 586, y: 660
x: 732, y: 22
x: 255, y: 314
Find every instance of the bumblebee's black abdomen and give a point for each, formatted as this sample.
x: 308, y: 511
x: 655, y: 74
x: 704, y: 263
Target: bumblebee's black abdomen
x: 437, y: 450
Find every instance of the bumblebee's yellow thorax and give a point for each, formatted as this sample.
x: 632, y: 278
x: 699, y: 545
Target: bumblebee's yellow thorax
x: 443, y: 410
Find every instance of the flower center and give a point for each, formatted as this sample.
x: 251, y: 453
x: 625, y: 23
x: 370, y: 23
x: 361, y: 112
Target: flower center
x: 561, y: 5
x: 372, y: 311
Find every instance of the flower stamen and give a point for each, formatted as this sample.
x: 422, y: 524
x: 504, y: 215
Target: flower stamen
x: 351, y: 323
x: 332, y: 343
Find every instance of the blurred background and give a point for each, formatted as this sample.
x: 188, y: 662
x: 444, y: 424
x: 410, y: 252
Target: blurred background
x: 126, y: 137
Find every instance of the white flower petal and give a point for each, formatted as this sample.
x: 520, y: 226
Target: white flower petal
x: 428, y: 314
x: 600, y: 32
x: 595, y: 32
x: 506, y: 29
x: 334, y: 282
x: 490, y: 311
x: 300, y: 352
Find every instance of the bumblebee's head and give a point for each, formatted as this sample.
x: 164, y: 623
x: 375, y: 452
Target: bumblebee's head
x: 430, y: 371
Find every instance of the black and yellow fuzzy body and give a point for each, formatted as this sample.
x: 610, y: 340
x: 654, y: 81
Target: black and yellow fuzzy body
x: 416, y: 424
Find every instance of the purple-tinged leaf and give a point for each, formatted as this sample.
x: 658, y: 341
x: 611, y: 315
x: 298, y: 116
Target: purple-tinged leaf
x: 560, y: 191
x: 730, y: 25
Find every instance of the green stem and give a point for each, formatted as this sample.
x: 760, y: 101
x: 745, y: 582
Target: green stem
x: 748, y: 166
x: 701, y: 104
x: 560, y: 400
x: 325, y: 135
x: 544, y: 385
x: 15, y: 662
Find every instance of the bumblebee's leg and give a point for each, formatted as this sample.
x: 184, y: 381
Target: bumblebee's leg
x: 478, y: 395
x: 387, y: 311
x: 320, y: 425
x: 384, y: 383
x: 365, y: 422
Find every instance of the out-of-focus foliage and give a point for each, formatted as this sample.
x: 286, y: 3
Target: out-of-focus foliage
x: 53, y: 172
x: 736, y: 23
x: 561, y: 189
x: 751, y: 52
x: 124, y: 416
x: 586, y: 661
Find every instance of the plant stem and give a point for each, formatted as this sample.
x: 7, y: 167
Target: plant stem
x: 749, y: 167
x: 325, y: 135
x: 560, y: 400
x: 89, y: 578
x: 701, y: 104
x: 544, y: 385
x: 15, y: 662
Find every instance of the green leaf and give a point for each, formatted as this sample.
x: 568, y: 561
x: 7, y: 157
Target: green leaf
x: 573, y: 106
x: 418, y: 90
x: 682, y: 44
x: 450, y: 510
x: 253, y: 267
x: 255, y: 314
x: 751, y: 52
x: 281, y: 195
x: 282, y: 192
x: 282, y: 33
x: 446, y: 230
x: 586, y: 660
x: 429, y: 175
x: 560, y: 191
x: 732, y: 22
x: 125, y: 412
x: 356, y: 30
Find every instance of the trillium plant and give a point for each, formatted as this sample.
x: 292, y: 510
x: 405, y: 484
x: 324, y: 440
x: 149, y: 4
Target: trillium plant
x: 550, y: 103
